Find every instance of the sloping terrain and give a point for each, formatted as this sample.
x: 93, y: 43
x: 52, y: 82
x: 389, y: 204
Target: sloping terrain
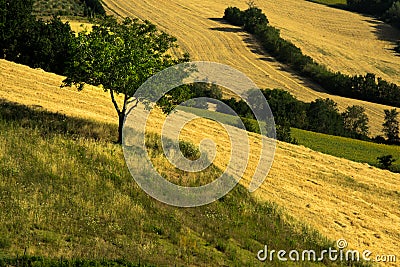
x: 344, y: 41
x: 339, y: 198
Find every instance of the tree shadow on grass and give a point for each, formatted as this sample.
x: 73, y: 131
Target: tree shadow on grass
x: 50, y: 123
x: 220, y: 20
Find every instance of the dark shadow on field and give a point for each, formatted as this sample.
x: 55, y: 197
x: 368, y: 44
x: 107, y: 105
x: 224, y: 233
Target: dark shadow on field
x: 384, y: 31
x: 226, y: 29
x: 220, y: 20
x: 50, y: 123
x: 257, y: 49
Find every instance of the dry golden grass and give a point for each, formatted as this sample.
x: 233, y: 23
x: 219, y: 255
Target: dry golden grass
x: 339, y: 198
x: 77, y: 26
x: 36, y: 87
x: 342, y: 40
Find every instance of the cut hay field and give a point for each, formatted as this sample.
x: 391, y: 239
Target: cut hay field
x: 344, y: 41
x: 337, y: 197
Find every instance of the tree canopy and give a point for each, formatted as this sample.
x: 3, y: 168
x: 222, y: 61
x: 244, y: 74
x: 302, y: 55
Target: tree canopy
x: 391, y: 125
x: 36, y: 43
x: 120, y: 57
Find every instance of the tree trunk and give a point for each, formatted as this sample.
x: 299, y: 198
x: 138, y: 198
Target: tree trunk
x: 121, y: 118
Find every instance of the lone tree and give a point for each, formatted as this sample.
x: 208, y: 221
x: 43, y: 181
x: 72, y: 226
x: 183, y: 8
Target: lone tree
x: 120, y: 57
x: 356, y: 121
x: 391, y: 125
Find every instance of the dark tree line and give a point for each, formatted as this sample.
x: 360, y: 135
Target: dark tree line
x: 372, y: 7
x: 34, y: 42
x: 321, y: 115
x: 93, y: 7
x: 365, y: 87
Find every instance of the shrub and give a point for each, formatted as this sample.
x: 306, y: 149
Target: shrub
x: 283, y: 133
x: 189, y: 150
x: 234, y: 16
x: 251, y: 125
x: 252, y: 18
x: 386, y: 161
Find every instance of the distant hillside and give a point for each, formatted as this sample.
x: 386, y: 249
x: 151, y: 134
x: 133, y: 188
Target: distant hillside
x: 343, y: 41
x: 45, y: 8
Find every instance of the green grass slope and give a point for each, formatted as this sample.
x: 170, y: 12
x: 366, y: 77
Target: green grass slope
x: 352, y: 149
x: 342, y: 147
x: 66, y: 193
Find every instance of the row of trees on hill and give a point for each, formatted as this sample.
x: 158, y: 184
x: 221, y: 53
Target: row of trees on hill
x: 365, y: 87
x: 373, y: 7
x: 36, y: 43
x: 321, y: 115
x: 120, y: 56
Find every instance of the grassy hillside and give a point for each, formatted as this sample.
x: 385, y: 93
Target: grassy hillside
x: 64, y: 194
x: 337, y: 197
x: 355, y: 150
x: 343, y: 41
x: 330, y: 2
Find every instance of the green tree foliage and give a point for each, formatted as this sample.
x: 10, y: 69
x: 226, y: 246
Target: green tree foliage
x: 120, y: 57
x: 283, y: 133
x: 252, y: 18
x: 324, y: 117
x: 286, y: 108
x: 321, y: 115
x: 391, y: 125
x: 48, y: 46
x: 356, y: 121
x: 386, y: 161
x: 392, y: 15
x: 15, y: 19
x: 373, y: 7
x: 234, y: 15
x: 32, y: 42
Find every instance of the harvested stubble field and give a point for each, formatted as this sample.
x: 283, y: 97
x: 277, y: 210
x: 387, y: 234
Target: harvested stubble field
x: 344, y: 41
x: 337, y: 197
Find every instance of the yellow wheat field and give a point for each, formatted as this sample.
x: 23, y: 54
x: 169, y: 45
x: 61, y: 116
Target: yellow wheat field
x: 338, y: 197
x: 343, y: 41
